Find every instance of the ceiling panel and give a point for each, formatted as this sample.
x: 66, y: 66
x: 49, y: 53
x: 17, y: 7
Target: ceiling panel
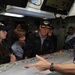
x: 20, y: 3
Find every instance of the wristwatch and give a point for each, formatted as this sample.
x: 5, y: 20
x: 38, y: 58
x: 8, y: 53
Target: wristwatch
x: 52, y: 67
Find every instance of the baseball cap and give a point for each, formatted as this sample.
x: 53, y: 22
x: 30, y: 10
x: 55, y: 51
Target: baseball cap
x: 3, y: 27
x: 45, y: 24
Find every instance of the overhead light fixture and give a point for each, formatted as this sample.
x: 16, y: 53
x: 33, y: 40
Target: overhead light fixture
x: 30, y: 12
x: 11, y: 14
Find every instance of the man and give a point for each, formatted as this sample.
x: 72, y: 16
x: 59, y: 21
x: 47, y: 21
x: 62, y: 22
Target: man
x: 70, y: 38
x: 39, y: 43
x: 42, y: 65
x: 71, y: 34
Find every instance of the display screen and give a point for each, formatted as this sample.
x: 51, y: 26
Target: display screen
x: 57, y: 6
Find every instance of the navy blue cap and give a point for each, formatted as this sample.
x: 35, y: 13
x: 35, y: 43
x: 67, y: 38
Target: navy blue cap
x: 5, y: 28
x: 45, y: 24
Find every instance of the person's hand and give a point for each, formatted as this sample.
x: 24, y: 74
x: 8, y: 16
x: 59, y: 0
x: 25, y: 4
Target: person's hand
x: 71, y: 50
x: 12, y: 58
x: 41, y: 65
x: 26, y: 57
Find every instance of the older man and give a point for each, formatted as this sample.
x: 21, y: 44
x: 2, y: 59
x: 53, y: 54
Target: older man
x: 39, y: 43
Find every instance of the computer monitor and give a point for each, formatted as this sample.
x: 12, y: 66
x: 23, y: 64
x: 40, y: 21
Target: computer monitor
x: 57, y: 6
